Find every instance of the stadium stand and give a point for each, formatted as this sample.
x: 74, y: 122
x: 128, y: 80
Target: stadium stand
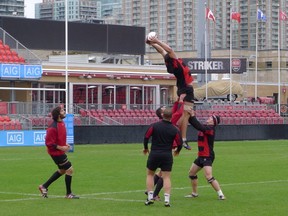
x: 9, y: 56
x: 241, y: 114
x: 6, y: 123
x: 230, y: 115
x: 119, y: 116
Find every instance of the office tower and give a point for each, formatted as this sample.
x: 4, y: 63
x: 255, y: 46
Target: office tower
x: 84, y: 10
x: 12, y: 8
x: 244, y: 33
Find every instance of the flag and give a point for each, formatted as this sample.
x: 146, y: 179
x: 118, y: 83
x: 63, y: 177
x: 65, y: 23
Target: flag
x: 236, y: 16
x: 261, y: 16
x: 282, y: 16
x: 210, y: 15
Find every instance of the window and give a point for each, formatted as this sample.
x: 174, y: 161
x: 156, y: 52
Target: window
x: 269, y: 64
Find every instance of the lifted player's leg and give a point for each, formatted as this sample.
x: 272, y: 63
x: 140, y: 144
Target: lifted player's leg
x: 184, y: 124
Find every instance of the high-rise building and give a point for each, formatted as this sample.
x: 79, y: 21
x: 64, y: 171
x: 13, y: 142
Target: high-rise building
x: 244, y: 33
x: 172, y: 20
x: 176, y: 22
x: 79, y: 10
x: 12, y: 8
x: 111, y: 11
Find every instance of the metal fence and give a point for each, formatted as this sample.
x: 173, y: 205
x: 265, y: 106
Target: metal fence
x: 34, y: 115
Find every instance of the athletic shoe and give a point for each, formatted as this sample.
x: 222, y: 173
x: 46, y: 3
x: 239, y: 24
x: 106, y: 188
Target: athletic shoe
x: 186, y: 145
x: 149, y: 202
x: 71, y: 196
x: 167, y: 204
x: 44, y: 191
x: 221, y: 197
x: 157, y: 198
x: 193, y: 195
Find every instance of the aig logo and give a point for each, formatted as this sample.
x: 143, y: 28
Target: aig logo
x: 39, y: 137
x: 15, y: 138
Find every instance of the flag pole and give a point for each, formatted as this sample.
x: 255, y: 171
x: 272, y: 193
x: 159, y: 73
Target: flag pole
x: 230, y: 96
x: 66, y: 57
x: 279, y: 74
x: 256, y: 55
x: 205, y: 42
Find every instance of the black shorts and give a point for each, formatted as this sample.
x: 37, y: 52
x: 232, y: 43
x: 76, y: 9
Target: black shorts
x: 204, y: 161
x: 164, y: 161
x: 62, y: 161
x: 189, y: 91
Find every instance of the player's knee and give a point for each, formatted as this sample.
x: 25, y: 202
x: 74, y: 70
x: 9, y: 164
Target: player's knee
x: 211, y: 180
x: 193, y: 177
x: 61, y: 171
x: 70, y: 171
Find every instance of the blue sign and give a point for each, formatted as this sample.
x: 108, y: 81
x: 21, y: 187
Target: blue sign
x: 15, y: 138
x: 22, y: 138
x: 35, y: 137
x: 17, y: 71
x: 69, y: 123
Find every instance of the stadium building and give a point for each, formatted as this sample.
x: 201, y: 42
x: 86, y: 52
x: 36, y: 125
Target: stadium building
x: 107, y: 72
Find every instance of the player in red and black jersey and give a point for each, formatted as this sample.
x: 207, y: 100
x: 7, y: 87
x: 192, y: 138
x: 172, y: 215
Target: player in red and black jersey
x: 184, y: 82
x: 163, y: 134
x: 56, y: 147
x: 206, y: 155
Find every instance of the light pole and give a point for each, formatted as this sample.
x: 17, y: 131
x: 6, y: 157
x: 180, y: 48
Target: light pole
x: 249, y: 59
x: 110, y: 88
x: 135, y: 89
x: 92, y: 93
x: 164, y: 91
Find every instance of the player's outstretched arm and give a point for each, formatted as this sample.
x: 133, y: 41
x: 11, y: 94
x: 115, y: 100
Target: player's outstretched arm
x: 165, y: 46
x: 159, y: 49
x: 159, y: 45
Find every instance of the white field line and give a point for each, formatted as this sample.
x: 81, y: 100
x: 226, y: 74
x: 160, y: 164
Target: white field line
x: 18, y: 200
x: 182, y: 188
x: 91, y: 196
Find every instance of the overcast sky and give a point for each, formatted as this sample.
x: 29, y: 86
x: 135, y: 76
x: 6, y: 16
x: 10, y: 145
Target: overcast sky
x: 29, y: 11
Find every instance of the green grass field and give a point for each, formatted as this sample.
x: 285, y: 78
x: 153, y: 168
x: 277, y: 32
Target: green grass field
x: 111, y: 181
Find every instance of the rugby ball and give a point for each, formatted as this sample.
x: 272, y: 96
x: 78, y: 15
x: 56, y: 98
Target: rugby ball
x: 151, y: 36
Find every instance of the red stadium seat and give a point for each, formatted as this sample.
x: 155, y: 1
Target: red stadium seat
x: 262, y: 120
x: 2, y: 52
x: 5, y: 59
x: 6, y: 47
x: 251, y: 120
x: 12, y: 125
x: 18, y: 125
x: 8, y: 52
x: 14, y: 53
x: 237, y: 120
x: 22, y: 60
x: 6, y: 125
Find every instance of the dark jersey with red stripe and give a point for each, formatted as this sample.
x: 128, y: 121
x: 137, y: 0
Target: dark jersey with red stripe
x: 55, y: 135
x: 163, y: 133
x: 180, y: 71
x: 206, y: 137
